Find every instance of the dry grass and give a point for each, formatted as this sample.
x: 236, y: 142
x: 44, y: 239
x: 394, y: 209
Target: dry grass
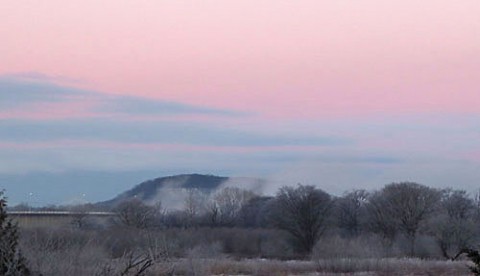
x: 91, y: 261
x: 394, y: 266
x: 74, y: 252
x: 381, y: 267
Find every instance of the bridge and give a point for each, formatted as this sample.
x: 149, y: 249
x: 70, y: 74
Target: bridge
x: 28, y: 219
x: 60, y: 213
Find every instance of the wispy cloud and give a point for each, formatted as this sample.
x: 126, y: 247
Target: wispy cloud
x: 37, y: 76
x: 141, y: 106
x: 15, y: 93
x: 150, y: 132
x: 18, y: 93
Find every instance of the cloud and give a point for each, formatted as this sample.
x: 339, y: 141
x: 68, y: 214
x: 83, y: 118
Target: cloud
x: 17, y: 93
x: 41, y: 77
x: 141, y: 106
x: 193, y: 133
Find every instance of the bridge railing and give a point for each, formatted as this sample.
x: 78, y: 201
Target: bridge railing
x: 58, y: 213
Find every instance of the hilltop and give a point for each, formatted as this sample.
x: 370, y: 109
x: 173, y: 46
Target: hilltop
x: 170, y: 189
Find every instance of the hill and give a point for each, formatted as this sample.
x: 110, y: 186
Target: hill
x: 170, y: 190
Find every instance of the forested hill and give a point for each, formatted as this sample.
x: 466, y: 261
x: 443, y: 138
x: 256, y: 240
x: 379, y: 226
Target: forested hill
x: 149, y: 190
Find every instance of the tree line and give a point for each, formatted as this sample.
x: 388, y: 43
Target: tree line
x: 399, y: 211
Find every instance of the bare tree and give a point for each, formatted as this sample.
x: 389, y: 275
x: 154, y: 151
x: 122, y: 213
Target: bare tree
x: 302, y: 212
x: 454, y: 227
x: 476, y: 203
x: 133, y: 264
x: 195, y: 205
x: 457, y: 204
x: 226, y: 204
x: 136, y: 265
x: 408, y: 204
x: 380, y: 219
x: 80, y: 218
x: 253, y: 213
x: 137, y: 214
x: 350, y: 209
x: 213, y: 214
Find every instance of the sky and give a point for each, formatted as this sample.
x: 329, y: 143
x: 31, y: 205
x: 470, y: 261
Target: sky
x: 97, y: 96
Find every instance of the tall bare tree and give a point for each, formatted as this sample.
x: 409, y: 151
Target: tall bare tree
x: 454, y: 227
x: 404, y: 205
x: 302, y: 212
x: 350, y: 211
x: 135, y: 213
x: 195, y: 205
x: 253, y: 213
x: 380, y: 218
x: 226, y: 204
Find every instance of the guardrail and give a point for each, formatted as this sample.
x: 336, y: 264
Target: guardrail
x: 59, y: 213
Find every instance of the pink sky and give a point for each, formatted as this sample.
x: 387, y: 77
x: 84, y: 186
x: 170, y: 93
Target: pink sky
x: 279, y: 58
x: 355, y: 93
